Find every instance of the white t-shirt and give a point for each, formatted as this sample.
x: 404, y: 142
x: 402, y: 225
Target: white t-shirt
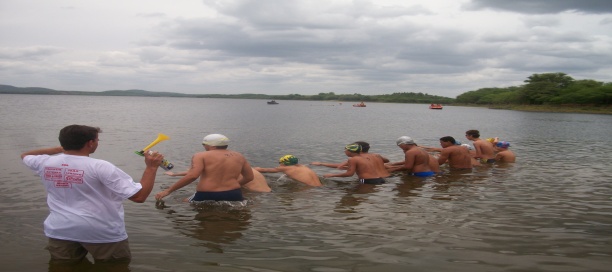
x: 85, y: 197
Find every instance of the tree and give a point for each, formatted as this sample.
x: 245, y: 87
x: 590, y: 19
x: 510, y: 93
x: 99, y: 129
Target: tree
x: 541, y: 88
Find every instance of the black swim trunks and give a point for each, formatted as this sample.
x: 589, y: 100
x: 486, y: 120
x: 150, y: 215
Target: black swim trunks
x: 231, y: 195
x: 372, y: 181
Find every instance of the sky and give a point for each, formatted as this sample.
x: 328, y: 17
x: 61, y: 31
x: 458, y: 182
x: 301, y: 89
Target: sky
x: 281, y: 47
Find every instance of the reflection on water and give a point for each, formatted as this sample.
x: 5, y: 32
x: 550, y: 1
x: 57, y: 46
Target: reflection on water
x: 550, y: 211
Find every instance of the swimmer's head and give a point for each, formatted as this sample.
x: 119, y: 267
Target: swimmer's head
x: 288, y: 160
x: 457, y: 142
x: 215, y: 140
x: 404, y: 140
x: 503, y: 144
x: 354, y: 148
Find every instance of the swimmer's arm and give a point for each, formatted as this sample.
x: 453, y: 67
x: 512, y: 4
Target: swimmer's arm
x: 431, y: 149
x: 246, y: 174
x: 43, y: 151
x: 352, y: 166
x: 478, y: 150
x: 197, y: 165
x: 443, y: 157
x: 267, y: 170
x: 172, y: 174
x: 331, y: 165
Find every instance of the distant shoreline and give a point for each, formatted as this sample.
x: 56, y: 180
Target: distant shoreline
x: 549, y: 108
x: 589, y: 109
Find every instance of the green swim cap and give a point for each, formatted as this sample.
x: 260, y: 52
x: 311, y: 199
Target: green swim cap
x: 355, y: 148
x: 288, y: 160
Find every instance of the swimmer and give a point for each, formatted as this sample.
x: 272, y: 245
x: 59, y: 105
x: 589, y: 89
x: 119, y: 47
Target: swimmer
x: 484, y: 149
x: 365, y: 147
x: 222, y: 172
x: 288, y: 165
x: 366, y: 167
x: 416, y: 160
x: 458, y: 157
x: 503, y: 154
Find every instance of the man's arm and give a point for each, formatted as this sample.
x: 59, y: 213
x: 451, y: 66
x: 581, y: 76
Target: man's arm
x: 443, y: 156
x: 267, y: 170
x: 246, y: 174
x: 408, y: 161
x: 172, y: 174
x: 43, y: 151
x: 331, y: 165
x: 478, y: 149
x: 147, y: 181
x: 352, y: 167
x: 197, y: 165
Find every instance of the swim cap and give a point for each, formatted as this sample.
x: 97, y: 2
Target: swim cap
x: 503, y: 144
x: 404, y: 140
x: 355, y: 148
x: 288, y: 160
x: 215, y: 140
x: 457, y: 142
x: 467, y: 146
x: 493, y: 140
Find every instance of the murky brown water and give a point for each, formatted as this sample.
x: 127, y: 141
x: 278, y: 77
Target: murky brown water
x: 550, y: 211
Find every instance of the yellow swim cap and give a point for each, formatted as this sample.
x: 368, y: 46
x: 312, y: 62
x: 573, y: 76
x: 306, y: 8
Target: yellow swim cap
x: 288, y: 160
x: 355, y: 148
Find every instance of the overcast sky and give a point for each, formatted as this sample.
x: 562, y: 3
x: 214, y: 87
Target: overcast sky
x: 439, y: 47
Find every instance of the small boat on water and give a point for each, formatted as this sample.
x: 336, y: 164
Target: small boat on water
x: 273, y: 102
x: 360, y: 105
x: 435, y: 106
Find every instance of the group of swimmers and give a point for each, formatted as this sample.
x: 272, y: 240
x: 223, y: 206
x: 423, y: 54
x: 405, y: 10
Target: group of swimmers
x: 370, y: 168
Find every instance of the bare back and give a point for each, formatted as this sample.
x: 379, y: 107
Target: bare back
x: 364, y: 167
x: 505, y: 156
x: 417, y: 160
x: 301, y: 173
x: 258, y: 184
x: 221, y: 170
x: 484, y: 149
x: 457, y: 156
x: 379, y: 163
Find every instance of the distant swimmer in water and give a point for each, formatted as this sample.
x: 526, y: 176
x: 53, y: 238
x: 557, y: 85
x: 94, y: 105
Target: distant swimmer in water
x: 288, y: 165
x: 484, y: 149
x: 503, y: 154
x: 366, y: 167
x: 416, y: 160
x: 258, y: 184
x: 221, y: 171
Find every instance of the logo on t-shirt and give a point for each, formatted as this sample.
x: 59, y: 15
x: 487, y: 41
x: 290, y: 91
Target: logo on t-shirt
x: 62, y: 177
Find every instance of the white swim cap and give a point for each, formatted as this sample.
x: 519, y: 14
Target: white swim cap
x: 215, y: 140
x: 404, y: 140
x: 467, y: 146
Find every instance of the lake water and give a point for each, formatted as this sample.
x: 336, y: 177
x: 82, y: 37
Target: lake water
x: 550, y: 211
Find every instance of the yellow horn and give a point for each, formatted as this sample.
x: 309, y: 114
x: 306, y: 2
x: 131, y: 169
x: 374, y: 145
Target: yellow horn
x: 160, y: 137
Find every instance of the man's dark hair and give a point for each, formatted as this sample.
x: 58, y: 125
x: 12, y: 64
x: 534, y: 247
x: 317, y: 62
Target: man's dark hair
x: 474, y: 133
x: 448, y: 139
x: 74, y: 137
x: 364, y: 146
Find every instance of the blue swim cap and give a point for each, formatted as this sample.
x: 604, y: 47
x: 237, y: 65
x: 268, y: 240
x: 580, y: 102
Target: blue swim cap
x: 503, y: 144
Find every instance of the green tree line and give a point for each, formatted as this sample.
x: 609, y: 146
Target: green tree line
x: 544, y: 89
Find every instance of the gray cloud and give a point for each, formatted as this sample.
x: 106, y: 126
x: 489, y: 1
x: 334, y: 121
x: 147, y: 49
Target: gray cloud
x: 543, y: 6
x: 306, y: 47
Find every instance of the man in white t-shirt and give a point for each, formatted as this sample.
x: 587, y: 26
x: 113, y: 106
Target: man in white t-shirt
x: 85, y: 197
